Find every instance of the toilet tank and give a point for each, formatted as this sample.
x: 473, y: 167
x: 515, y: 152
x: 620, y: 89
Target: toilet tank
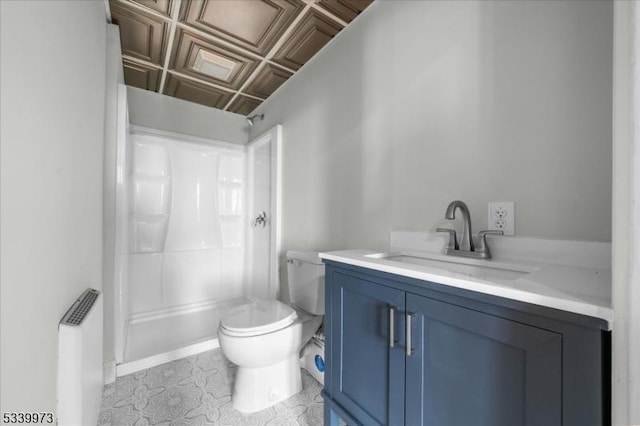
x: 306, y: 281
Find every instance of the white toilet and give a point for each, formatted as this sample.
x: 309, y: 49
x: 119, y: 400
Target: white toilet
x: 264, y: 338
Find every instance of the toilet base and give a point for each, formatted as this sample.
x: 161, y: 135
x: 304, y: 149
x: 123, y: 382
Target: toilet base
x: 258, y: 388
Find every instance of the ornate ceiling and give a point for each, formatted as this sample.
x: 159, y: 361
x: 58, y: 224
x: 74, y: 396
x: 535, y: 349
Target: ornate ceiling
x: 226, y: 54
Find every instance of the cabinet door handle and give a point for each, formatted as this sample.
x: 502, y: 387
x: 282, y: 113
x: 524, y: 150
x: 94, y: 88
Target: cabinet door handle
x: 408, y: 335
x: 392, y: 326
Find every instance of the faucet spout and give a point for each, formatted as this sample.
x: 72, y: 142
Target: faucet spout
x: 466, y: 241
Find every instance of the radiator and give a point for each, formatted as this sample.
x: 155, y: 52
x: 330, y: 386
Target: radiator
x: 80, y: 373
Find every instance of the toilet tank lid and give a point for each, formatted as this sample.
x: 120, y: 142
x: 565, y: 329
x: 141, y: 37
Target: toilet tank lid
x: 305, y: 256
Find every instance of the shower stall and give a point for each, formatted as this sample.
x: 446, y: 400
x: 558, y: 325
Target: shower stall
x: 196, y: 234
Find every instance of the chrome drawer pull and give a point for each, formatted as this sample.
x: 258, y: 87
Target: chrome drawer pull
x: 408, y: 335
x: 392, y: 326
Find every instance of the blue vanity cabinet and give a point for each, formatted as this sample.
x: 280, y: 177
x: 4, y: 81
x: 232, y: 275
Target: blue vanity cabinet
x: 455, y: 357
x: 367, y: 378
x: 472, y: 368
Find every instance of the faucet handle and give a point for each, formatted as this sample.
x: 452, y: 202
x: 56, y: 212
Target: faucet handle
x: 453, y: 241
x: 482, y: 246
x: 481, y: 234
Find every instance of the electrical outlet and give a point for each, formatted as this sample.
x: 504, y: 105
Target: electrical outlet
x: 502, y: 216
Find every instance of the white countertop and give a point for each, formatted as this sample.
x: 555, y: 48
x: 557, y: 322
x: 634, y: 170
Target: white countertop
x: 581, y: 285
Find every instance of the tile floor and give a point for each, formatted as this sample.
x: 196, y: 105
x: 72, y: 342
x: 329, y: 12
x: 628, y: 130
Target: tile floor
x: 197, y: 391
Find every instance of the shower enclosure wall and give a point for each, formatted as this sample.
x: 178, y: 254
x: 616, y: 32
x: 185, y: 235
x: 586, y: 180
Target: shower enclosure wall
x: 188, y: 246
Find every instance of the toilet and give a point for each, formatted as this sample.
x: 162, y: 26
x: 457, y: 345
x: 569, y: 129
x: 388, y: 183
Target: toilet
x: 264, y: 338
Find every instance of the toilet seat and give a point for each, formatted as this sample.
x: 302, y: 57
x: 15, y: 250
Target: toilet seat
x: 256, y: 318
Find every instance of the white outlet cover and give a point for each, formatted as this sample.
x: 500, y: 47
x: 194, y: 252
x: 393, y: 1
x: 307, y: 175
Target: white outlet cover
x: 501, y: 216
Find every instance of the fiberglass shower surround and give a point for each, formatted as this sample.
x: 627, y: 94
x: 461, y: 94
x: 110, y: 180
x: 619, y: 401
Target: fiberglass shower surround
x: 186, y: 224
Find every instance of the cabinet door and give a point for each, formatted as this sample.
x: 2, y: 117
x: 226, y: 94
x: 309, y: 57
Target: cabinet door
x: 472, y: 368
x: 367, y: 374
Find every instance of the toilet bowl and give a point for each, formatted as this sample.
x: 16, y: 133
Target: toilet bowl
x: 268, y: 362
x: 264, y: 338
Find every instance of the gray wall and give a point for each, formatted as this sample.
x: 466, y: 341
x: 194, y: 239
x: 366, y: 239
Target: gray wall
x: 52, y: 85
x: 419, y: 103
x: 162, y: 112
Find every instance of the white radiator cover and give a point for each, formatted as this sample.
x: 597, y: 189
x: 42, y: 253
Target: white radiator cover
x: 80, y: 369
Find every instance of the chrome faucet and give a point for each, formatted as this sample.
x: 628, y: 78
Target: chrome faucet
x: 466, y: 242
x: 465, y: 246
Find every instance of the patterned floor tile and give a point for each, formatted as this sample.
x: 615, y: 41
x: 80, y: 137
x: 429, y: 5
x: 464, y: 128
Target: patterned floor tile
x: 196, y: 391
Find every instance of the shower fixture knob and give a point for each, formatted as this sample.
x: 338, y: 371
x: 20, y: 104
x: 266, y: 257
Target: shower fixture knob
x: 261, y: 219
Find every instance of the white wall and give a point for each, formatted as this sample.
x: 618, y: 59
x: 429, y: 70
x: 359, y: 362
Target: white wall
x: 52, y: 86
x: 626, y: 215
x: 634, y: 249
x: 114, y: 75
x: 621, y: 210
x: 162, y: 112
x: 419, y: 103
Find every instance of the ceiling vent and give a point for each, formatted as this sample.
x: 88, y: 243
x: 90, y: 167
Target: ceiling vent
x: 213, y: 65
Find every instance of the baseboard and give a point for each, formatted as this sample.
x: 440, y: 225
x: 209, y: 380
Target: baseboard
x: 144, y: 363
x: 109, y: 369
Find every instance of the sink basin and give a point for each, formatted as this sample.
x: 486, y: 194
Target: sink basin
x: 483, y: 269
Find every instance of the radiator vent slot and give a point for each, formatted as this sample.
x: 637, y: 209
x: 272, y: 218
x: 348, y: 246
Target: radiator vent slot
x: 79, y: 310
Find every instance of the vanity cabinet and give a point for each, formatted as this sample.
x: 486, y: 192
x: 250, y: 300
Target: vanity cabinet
x: 401, y: 351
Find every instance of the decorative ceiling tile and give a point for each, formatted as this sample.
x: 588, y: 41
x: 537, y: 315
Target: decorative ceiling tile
x: 218, y: 45
x: 310, y: 35
x: 267, y: 81
x: 346, y: 10
x: 255, y: 25
x: 160, y: 6
x: 141, y: 75
x: 142, y: 35
x: 199, y: 93
x: 244, y: 105
x: 206, y: 60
